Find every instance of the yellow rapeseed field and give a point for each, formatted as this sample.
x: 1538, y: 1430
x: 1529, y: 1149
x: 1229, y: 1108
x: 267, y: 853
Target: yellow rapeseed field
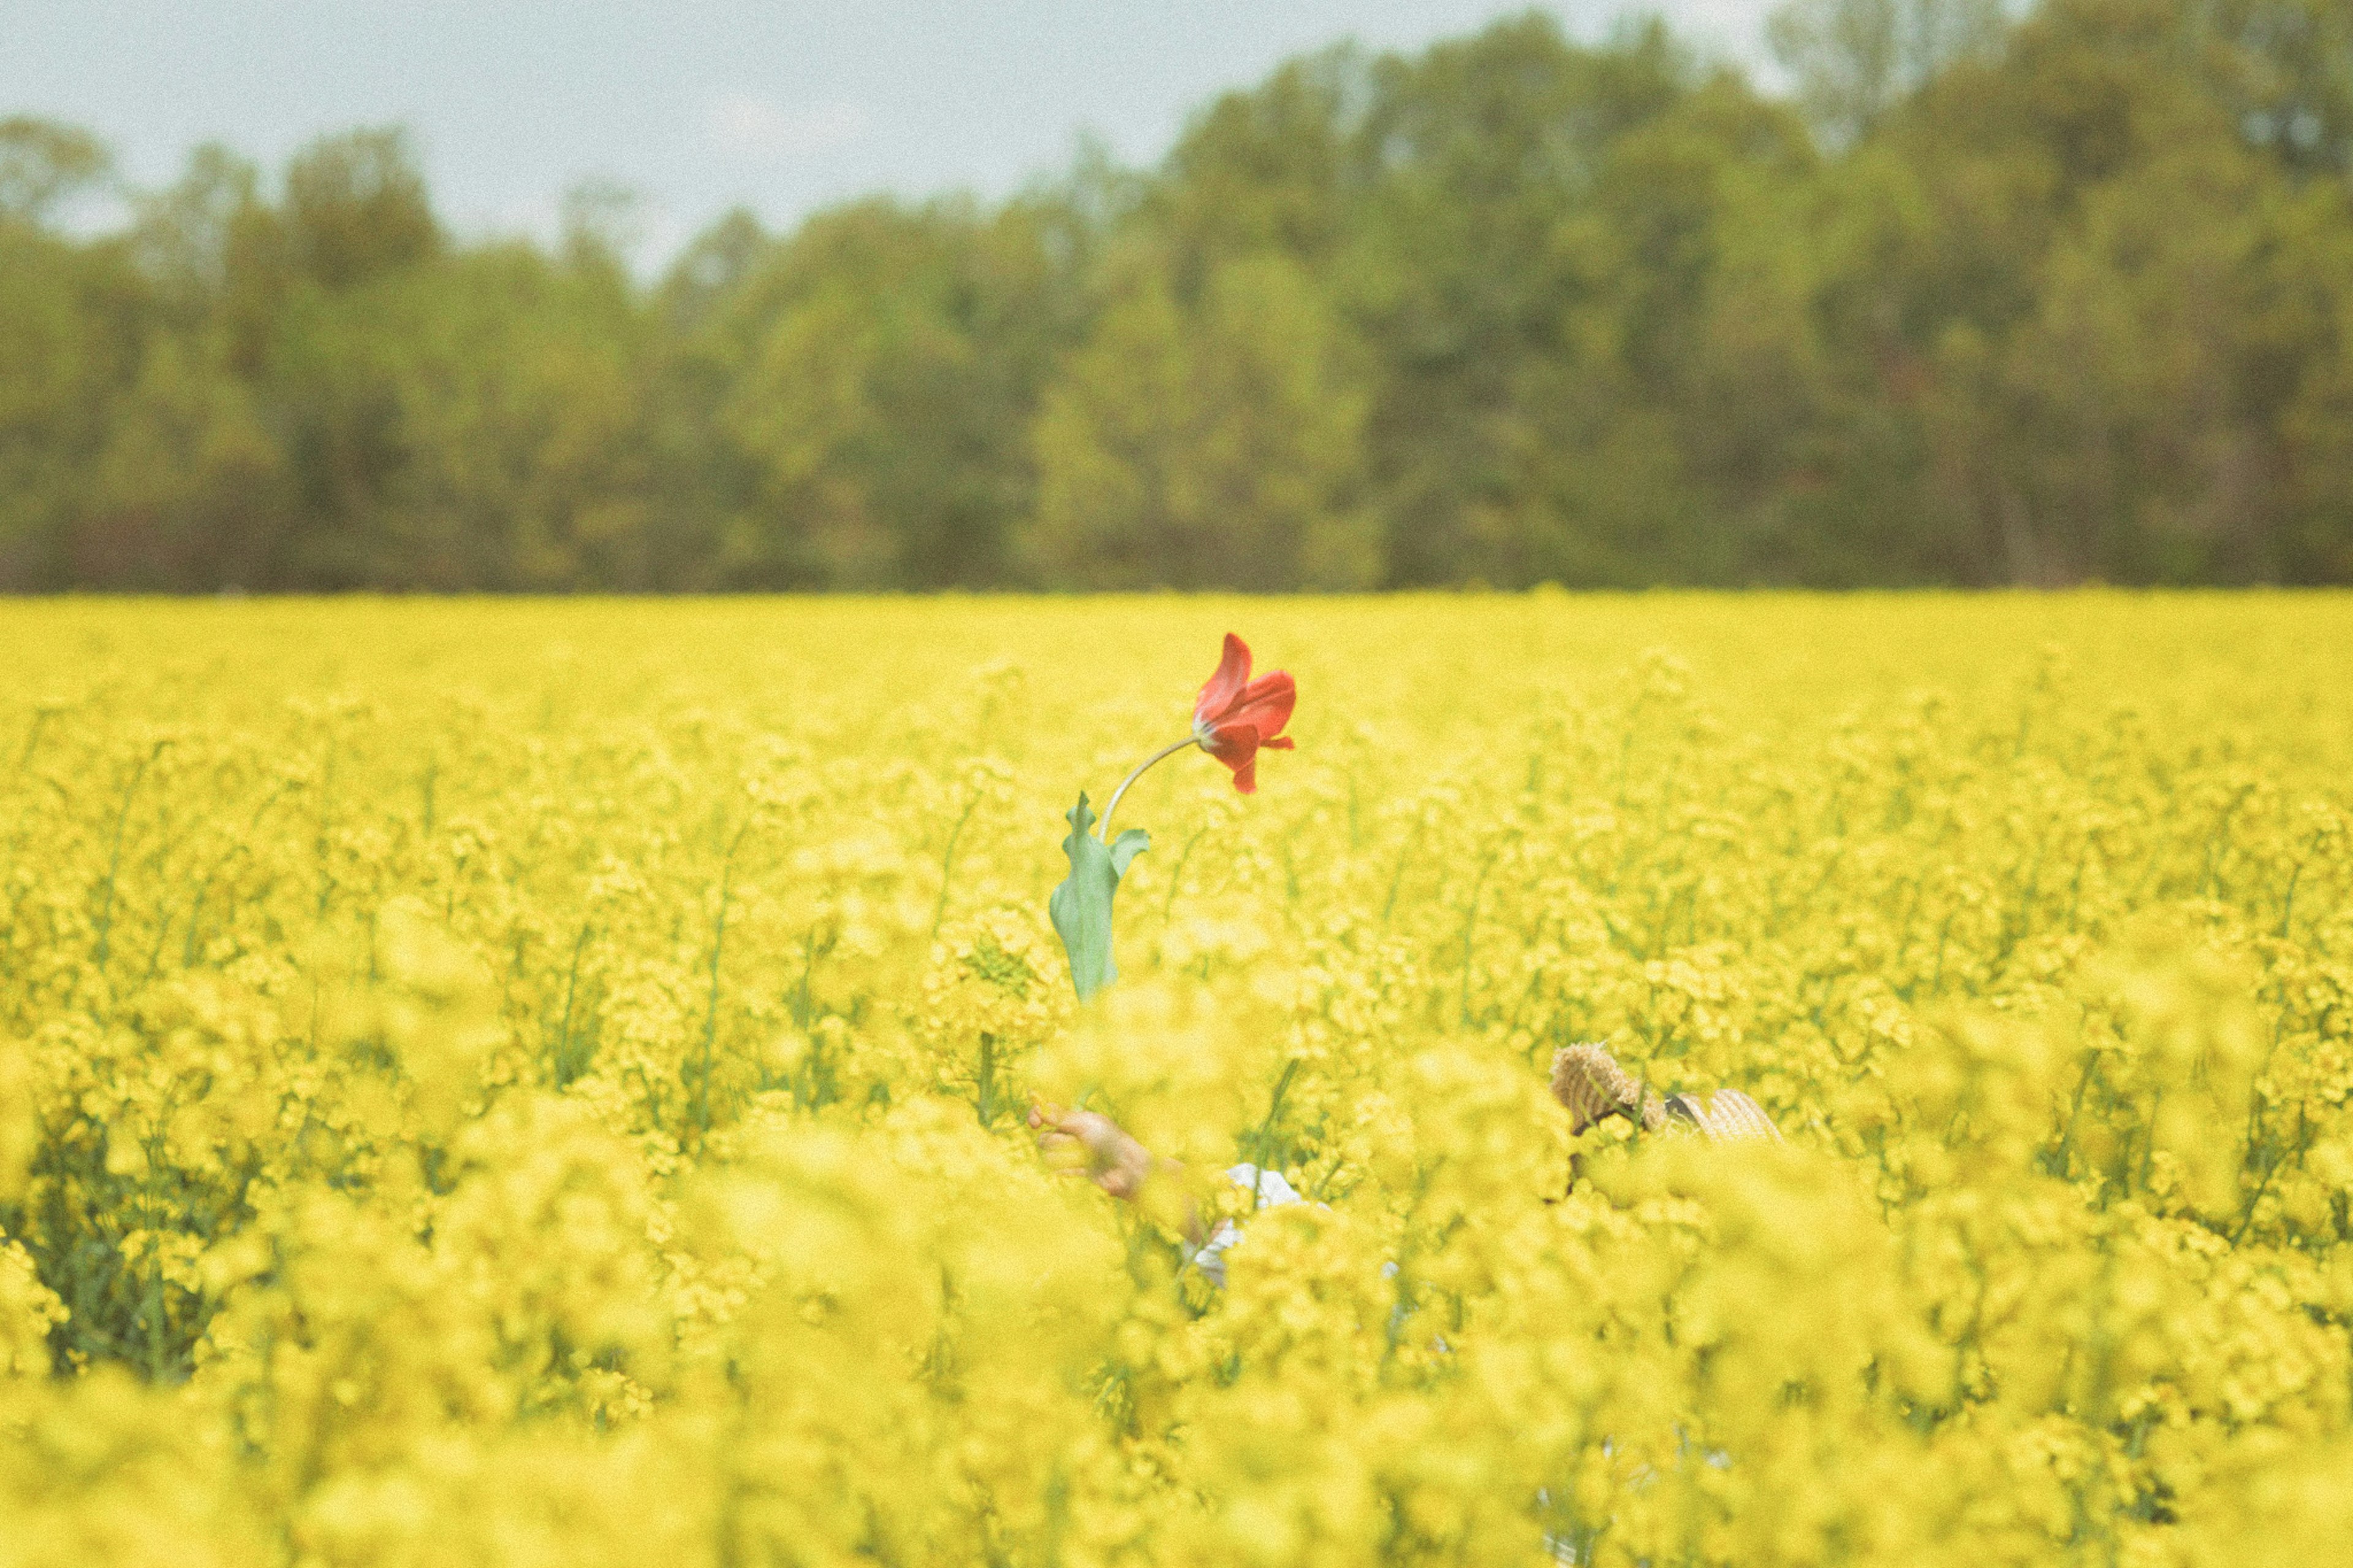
x: 544, y: 1083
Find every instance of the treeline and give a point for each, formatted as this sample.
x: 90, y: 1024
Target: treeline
x: 1987, y: 300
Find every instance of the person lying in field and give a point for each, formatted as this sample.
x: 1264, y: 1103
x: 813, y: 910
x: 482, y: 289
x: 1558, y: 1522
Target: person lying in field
x: 1088, y: 1144
x: 1586, y: 1082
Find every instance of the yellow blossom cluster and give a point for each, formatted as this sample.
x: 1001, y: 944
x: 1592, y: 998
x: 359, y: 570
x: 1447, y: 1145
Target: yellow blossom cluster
x: 545, y: 1084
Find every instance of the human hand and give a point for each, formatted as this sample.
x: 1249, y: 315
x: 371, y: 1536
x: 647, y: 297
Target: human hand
x: 1089, y: 1141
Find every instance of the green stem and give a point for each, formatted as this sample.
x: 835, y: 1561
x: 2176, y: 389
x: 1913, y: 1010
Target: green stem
x: 105, y: 921
x: 560, y: 1064
x: 1469, y: 924
x: 948, y: 863
x: 711, y: 1019
x: 1102, y: 829
x: 41, y: 716
x: 1168, y: 907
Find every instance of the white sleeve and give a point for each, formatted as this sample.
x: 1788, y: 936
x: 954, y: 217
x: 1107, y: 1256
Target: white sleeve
x: 1270, y: 1190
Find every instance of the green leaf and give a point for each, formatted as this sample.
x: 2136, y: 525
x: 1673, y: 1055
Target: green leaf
x: 1081, y: 907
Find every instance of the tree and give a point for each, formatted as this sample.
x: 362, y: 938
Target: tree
x: 2080, y: 306
x: 357, y: 208
x: 714, y: 265
x: 2028, y: 303
x: 878, y: 374
x: 73, y: 318
x: 473, y: 424
x: 1218, y: 446
x: 185, y: 235
x: 216, y: 255
x: 1279, y: 168
x: 2283, y: 72
x: 1856, y: 59
x: 190, y: 491
x: 43, y: 163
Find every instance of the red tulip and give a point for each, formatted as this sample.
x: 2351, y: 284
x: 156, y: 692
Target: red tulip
x: 1236, y: 715
x: 1232, y: 718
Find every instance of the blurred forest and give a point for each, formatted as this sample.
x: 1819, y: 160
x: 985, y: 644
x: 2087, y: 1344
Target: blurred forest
x: 1986, y: 299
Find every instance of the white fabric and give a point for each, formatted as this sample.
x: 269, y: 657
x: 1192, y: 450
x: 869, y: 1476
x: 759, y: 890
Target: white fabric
x: 1271, y: 1191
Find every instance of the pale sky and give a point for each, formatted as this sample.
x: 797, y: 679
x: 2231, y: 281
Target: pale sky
x: 695, y: 106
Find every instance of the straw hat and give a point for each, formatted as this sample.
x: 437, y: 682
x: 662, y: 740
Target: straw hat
x: 1594, y: 1087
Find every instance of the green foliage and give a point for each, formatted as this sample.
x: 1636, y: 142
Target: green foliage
x: 42, y: 163
x: 1856, y: 59
x: 356, y: 206
x: 1081, y: 907
x: 1999, y: 295
x: 1210, y: 446
x: 869, y: 384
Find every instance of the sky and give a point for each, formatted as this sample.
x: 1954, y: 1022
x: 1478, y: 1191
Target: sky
x: 696, y: 107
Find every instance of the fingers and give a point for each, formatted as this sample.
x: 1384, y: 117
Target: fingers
x: 1056, y: 1126
x: 1088, y: 1144
x: 1051, y: 1121
x: 1058, y: 1141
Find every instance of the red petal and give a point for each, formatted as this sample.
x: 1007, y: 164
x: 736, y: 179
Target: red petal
x: 1219, y: 692
x: 1264, y: 705
x: 1232, y: 744
x: 1279, y: 743
x: 1246, y: 775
